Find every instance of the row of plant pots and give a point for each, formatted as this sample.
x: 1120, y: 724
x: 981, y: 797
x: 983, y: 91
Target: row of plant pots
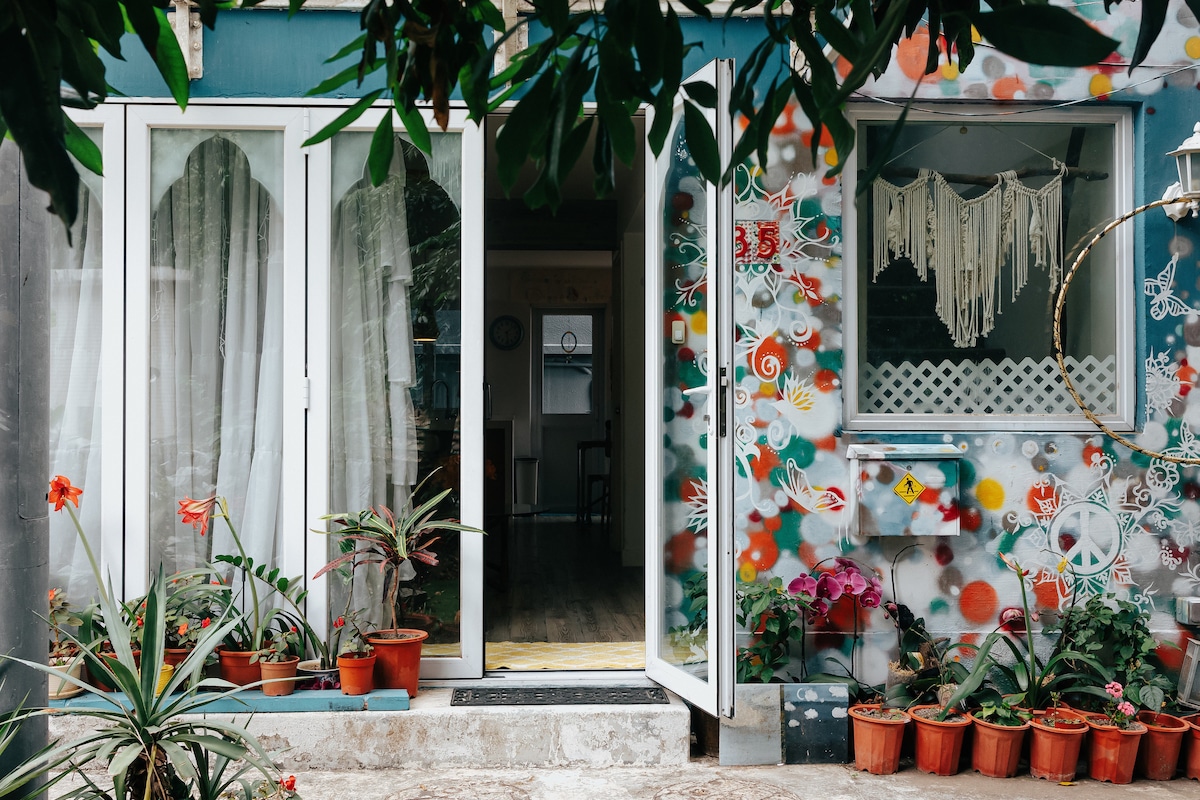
x: 1150, y: 748
x: 393, y: 663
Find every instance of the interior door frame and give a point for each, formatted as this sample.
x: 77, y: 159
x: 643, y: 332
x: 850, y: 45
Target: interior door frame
x: 469, y: 664
x: 715, y: 692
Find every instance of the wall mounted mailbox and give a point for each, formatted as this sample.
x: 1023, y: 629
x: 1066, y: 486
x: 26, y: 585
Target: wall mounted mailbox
x: 905, y: 490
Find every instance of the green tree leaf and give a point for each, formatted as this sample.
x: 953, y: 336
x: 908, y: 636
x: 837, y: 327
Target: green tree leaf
x: 345, y: 118
x: 80, y: 145
x: 1042, y: 34
x: 383, y: 144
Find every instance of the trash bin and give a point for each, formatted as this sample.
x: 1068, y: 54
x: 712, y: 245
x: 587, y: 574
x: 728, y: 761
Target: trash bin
x: 525, y: 481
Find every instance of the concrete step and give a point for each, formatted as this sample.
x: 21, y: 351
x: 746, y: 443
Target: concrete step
x: 432, y: 733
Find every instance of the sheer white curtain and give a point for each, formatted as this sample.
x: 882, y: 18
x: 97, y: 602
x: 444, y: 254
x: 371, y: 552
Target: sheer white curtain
x: 76, y: 279
x: 216, y: 380
x: 373, y: 438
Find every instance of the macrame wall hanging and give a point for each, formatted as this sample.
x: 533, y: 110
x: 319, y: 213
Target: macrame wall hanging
x: 967, y: 243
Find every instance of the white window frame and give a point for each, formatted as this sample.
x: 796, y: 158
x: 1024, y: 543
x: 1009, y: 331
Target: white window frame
x: 141, y: 120
x: 1123, y: 418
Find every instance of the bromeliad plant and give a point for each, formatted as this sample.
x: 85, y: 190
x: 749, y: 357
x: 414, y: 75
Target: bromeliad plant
x: 149, y: 749
x: 388, y: 540
x: 254, y: 626
x: 1028, y: 680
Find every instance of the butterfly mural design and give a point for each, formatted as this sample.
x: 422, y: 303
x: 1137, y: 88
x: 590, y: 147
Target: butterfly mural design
x: 1163, y: 301
x: 802, y: 492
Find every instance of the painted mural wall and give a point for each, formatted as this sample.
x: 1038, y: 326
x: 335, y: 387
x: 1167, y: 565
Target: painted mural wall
x: 1121, y: 523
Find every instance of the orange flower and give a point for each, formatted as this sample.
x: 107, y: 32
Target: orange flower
x: 52, y: 593
x: 183, y: 629
x: 62, y: 492
x: 197, y: 512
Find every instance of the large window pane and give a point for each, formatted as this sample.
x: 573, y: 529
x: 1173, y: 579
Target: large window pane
x: 395, y: 362
x: 216, y: 339
x: 963, y: 242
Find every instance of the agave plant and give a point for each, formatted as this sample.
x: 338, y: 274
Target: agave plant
x: 150, y: 748
x: 378, y: 536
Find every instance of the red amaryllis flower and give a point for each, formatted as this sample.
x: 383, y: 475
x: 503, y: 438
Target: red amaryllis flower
x: 62, y: 492
x: 197, y: 512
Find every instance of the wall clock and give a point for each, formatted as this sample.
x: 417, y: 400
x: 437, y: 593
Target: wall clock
x: 506, y: 332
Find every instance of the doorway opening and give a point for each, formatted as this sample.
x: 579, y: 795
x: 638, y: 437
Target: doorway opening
x: 564, y: 449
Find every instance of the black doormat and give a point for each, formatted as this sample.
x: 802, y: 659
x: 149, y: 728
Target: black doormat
x: 559, y: 696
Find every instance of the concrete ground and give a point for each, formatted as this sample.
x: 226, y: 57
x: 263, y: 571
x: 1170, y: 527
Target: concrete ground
x: 703, y: 778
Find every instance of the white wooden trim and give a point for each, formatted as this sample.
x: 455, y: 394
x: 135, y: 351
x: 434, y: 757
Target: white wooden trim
x: 1125, y: 314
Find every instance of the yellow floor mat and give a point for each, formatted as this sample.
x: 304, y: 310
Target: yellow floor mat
x: 527, y: 656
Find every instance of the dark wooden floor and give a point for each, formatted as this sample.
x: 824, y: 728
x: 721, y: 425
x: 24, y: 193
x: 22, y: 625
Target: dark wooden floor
x: 563, y: 584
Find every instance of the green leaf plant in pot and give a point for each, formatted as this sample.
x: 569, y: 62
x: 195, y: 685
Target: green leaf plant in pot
x: 378, y: 537
x: 1034, y: 683
x: 64, y: 650
x: 150, y: 739
x: 1000, y: 729
x: 259, y: 588
x: 356, y: 656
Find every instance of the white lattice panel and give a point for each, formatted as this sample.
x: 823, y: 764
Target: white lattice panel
x: 1025, y: 387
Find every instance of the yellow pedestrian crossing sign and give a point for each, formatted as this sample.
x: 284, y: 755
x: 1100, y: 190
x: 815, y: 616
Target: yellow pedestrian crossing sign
x: 909, y: 488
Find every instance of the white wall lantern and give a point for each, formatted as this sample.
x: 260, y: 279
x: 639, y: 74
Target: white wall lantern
x: 1187, y: 189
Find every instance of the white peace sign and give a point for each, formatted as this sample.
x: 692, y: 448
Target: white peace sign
x: 1096, y: 533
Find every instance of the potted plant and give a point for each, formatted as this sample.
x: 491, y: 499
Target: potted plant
x: 769, y: 615
x: 1191, y: 767
x: 239, y: 663
x: 878, y: 737
x: 940, y: 733
x: 356, y: 657
x: 153, y: 744
x: 999, y: 735
x: 1158, y: 757
x: 1116, y: 735
x: 377, y: 536
x: 277, y: 661
x: 64, y: 652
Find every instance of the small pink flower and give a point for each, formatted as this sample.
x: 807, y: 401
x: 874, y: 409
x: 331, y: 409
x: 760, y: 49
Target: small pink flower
x: 1115, y: 690
x: 1125, y: 707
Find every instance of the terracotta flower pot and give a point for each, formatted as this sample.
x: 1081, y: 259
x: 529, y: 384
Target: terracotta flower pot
x: 1054, y: 750
x: 1158, y: 757
x: 1114, y: 752
x: 1191, y: 762
x: 939, y: 743
x: 237, y: 668
x: 274, y: 670
x: 997, y: 749
x: 397, y: 658
x: 357, y: 672
x: 109, y: 656
x: 877, y: 740
x: 175, y: 655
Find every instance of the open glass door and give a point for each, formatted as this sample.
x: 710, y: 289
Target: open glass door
x: 395, y: 363
x: 689, y: 463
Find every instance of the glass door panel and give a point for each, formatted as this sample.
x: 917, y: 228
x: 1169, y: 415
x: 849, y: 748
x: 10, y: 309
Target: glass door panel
x: 689, y: 576
x: 396, y: 383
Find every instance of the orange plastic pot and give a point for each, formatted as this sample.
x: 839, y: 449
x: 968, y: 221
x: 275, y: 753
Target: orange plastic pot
x: 397, y: 658
x: 997, y: 749
x: 356, y: 672
x: 939, y: 743
x: 877, y: 740
x: 277, y: 670
x: 1054, y: 749
x: 1191, y: 761
x: 237, y: 668
x: 1114, y: 752
x: 1158, y: 758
